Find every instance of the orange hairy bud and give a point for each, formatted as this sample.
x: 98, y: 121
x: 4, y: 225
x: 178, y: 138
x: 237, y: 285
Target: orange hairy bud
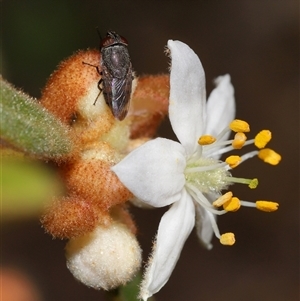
x: 93, y: 180
x: 149, y: 105
x: 69, y: 83
x: 70, y: 217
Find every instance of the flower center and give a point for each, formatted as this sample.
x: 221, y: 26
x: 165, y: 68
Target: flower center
x: 206, y: 176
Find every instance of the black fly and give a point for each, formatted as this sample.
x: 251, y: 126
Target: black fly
x: 116, y: 74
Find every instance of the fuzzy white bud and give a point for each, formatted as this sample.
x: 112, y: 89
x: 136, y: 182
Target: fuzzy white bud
x: 105, y: 258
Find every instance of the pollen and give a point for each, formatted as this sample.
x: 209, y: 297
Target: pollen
x: 238, y: 125
x: 267, y: 206
x: 223, y: 199
x: 269, y: 156
x: 227, y: 239
x: 206, y: 140
x: 232, y: 205
x: 239, y: 140
x: 262, y: 138
x: 233, y: 161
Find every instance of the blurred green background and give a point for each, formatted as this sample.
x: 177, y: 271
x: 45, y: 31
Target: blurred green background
x: 257, y: 43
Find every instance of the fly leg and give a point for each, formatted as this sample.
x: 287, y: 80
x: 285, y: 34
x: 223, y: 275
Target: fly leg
x: 99, y: 82
x: 99, y: 87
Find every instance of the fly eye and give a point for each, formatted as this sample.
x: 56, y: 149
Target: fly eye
x: 108, y: 41
x: 123, y: 41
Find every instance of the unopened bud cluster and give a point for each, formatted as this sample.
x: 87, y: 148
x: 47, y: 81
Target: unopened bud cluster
x: 102, y: 251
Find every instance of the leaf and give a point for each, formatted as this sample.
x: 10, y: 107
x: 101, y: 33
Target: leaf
x: 26, y: 187
x: 29, y: 127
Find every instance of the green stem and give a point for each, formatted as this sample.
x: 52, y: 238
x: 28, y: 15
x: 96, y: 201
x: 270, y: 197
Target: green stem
x: 128, y: 292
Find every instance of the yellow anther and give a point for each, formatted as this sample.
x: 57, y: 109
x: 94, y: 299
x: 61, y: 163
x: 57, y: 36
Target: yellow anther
x: 239, y: 126
x: 206, y: 140
x: 253, y: 183
x: 262, y: 138
x: 239, y: 140
x: 227, y: 239
x: 233, y: 161
x: 267, y: 206
x: 223, y: 199
x: 269, y: 156
x: 232, y: 205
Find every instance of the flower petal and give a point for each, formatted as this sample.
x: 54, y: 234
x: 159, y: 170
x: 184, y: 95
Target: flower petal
x: 220, y: 107
x: 154, y: 172
x: 203, y: 226
x: 187, y: 95
x: 174, y: 228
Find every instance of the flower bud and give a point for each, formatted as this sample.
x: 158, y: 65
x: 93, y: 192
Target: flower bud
x: 71, y: 216
x: 105, y: 258
x: 70, y: 83
x: 149, y: 105
x: 93, y: 180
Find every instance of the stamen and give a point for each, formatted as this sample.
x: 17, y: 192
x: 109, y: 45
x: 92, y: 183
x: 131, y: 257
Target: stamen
x: 267, y: 206
x: 227, y: 239
x: 223, y: 199
x: 206, y: 140
x: 252, y: 183
x: 239, y: 126
x: 262, y: 138
x: 221, y: 151
x: 196, y: 156
x: 216, y: 177
x: 248, y: 204
x: 202, y: 201
x: 232, y: 205
x: 218, y: 145
x: 214, y: 224
x: 223, y: 133
x: 204, y: 168
x: 233, y: 161
x: 229, y: 148
x: 269, y: 156
x: 249, y: 155
x: 239, y: 140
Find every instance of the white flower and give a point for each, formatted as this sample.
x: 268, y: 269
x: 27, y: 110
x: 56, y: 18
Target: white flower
x: 186, y: 175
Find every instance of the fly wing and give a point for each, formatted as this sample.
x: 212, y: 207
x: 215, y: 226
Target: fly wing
x: 107, y: 81
x: 121, y: 92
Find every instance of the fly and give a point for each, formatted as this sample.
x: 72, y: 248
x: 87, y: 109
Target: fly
x: 116, y: 74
